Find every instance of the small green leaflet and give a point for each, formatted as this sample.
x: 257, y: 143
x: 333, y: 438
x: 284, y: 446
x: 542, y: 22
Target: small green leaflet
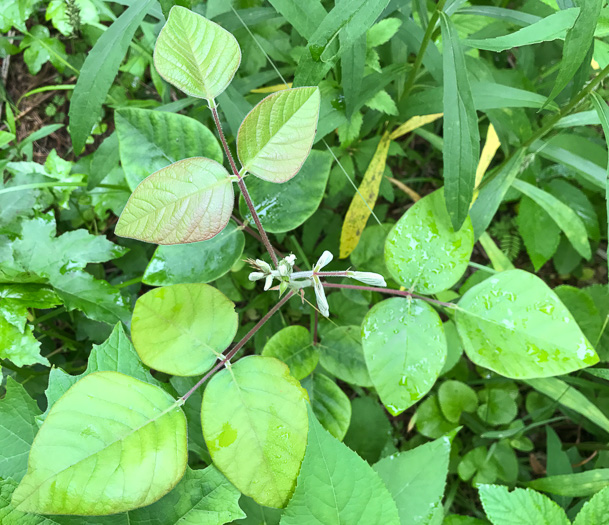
x: 330, y: 404
x: 255, y: 424
x: 76, y: 463
x: 461, y: 135
x: 603, y: 113
x: 182, y: 329
x: 336, y: 486
x: 341, y: 354
x: 514, y: 324
x: 405, y: 349
x: 294, y: 346
x: 188, y: 201
x: 196, y: 55
x: 276, y: 137
x: 594, y: 512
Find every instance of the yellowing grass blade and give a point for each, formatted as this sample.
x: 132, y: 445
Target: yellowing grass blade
x: 414, y: 123
x: 272, y: 89
x: 488, y: 152
x: 361, y: 206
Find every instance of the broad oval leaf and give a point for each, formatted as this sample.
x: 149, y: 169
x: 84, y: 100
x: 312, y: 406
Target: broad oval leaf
x: 188, y: 201
x: 110, y: 444
x: 423, y: 252
x: 150, y: 140
x: 514, y: 324
x: 196, y: 55
x: 341, y: 354
x: 294, y: 346
x: 405, y: 349
x: 330, y: 404
x: 182, y: 329
x: 197, y: 262
x: 276, y: 137
x: 254, y: 421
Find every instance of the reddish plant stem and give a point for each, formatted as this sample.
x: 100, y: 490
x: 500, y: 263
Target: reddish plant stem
x: 239, y: 345
x: 263, y: 236
x: 255, y: 235
x: 390, y: 291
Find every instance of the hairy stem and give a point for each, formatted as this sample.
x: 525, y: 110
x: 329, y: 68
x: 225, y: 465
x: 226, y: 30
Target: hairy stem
x: 390, y: 291
x: 239, y: 345
x: 263, y: 236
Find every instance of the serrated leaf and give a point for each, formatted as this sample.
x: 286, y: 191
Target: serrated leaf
x: 514, y: 324
x: 182, y: 329
x: 255, y: 425
x: 151, y: 140
x: 383, y: 102
x: 423, y: 252
x: 197, y: 262
x: 594, y: 512
x: 405, y: 349
x: 18, y: 427
x: 382, y: 31
x: 19, y: 345
x: 336, y: 486
x: 520, y: 507
x: 196, y: 55
x: 76, y: 463
x: 275, y: 138
x: 341, y: 354
x: 294, y: 346
x: 330, y: 404
x: 188, y: 201
x: 416, y: 478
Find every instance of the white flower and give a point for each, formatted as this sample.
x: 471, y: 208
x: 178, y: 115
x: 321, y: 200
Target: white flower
x: 324, y: 260
x: 256, y: 276
x: 268, y: 283
x: 264, y: 266
x: 322, y: 302
x: 291, y: 259
x: 373, y: 279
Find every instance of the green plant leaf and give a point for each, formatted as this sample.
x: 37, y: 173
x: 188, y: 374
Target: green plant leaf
x: 19, y: 345
x: 405, y: 349
x: 594, y: 512
x: 188, y: 201
x: 552, y: 27
x: 336, y: 486
x: 18, y: 412
x: 603, y: 113
x: 341, y: 354
x: 578, y: 485
x: 78, y: 465
x: 330, y: 404
x: 204, y: 497
x: 539, y: 232
x: 416, y: 480
x: 284, y: 208
x: 497, y: 407
x: 423, y: 252
x: 182, y: 329
x: 370, y: 431
x: 197, y: 262
x: 196, y: 55
x: 151, y: 140
x: 455, y: 398
x: 461, y: 135
x: 98, y: 72
x: 294, y: 346
x: 254, y: 422
x: 514, y: 324
x: 276, y: 137
x: 520, y: 507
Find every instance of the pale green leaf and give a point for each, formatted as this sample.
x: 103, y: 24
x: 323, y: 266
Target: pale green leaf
x: 196, y: 55
x: 78, y: 465
x: 423, y: 252
x: 275, y: 138
x: 254, y: 422
x: 520, y: 507
x: 19, y: 345
x: 514, y: 324
x: 197, y: 262
x: 336, y: 486
x: 538, y: 230
x: 456, y: 397
x: 330, y: 404
x: 182, y: 329
x: 405, y: 349
x: 188, y: 201
x: 151, y: 140
x: 580, y: 484
x: 341, y: 354
x: 294, y: 346
x: 594, y: 512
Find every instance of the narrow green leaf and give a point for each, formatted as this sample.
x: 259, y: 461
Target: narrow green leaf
x: 197, y: 262
x: 304, y: 15
x: 341, y: 354
x: 196, y: 55
x: 151, y: 140
x: 336, y: 486
x: 254, y: 422
x: 99, y: 70
x: 461, y: 135
x: 423, y: 252
x: 276, y: 137
x: 577, y: 485
x: 330, y: 404
x: 514, y: 324
x: 294, y: 346
x: 188, y: 201
x: 520, y: 507
x: 182, y: 329
x: 405, y: 349
x: 76, y: 464
x: 538, y: 230
x: 564, y: 217
x: 603, y: 114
